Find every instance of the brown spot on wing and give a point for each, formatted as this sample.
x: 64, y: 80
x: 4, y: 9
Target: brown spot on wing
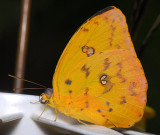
x: 112, y: 33
x: 105, y: 81
x: 86, y: 91
x: 143, y: 98
x: 68, y: 82
x: 120, y: 67
x: 70, y: 91
x: 87, y: 104
x: 99, y: 110
x: 123, y: 100
x: 131, y: 88
x: 108, y: 88
x: 122, y: 78
x: 84, y: 49
x: 85, y: 29
x: 85, y: 70
x: 96, y: 22
x: 110, y: 110
x: 140, y: 115
x: 88, y: 50
x: 110, y: 41
x: 106, y: 64
x: 87, y: 74
x: 119, y: 75
x: 70, y: 103
x: 107, y: 103
x: 132, y: 85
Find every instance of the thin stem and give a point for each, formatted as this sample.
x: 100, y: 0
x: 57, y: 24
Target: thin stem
x: 137, y: 16
x: 150, y: 34
x: 22, y: 43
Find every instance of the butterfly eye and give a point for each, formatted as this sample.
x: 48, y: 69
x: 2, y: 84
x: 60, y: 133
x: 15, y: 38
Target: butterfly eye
x: 41, y: 100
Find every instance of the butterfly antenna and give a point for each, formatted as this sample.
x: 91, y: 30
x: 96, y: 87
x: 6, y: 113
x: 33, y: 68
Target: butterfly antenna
x: 27, y: 88
x: 27, y: 81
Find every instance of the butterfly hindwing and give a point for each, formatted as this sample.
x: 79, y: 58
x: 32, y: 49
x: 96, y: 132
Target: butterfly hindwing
x: 109, y: 86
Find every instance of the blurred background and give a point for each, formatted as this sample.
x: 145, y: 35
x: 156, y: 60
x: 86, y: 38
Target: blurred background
x: 52, y: 24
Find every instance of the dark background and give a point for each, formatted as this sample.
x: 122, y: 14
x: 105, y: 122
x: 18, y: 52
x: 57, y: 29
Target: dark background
x: 52, y: 24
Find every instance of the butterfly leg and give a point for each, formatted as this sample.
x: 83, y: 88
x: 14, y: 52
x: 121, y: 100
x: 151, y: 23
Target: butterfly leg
x: 82, y: 122
x: 43, y: 111
x: 54, y: 106
x: 56, y: 114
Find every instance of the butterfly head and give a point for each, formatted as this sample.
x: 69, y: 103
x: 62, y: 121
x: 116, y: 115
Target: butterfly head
x: 44, y: 97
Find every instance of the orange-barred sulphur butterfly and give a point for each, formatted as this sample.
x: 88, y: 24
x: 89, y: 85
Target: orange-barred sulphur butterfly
x: 99, y: 78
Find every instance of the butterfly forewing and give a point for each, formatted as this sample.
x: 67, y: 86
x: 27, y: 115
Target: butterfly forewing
x: 105, y: 31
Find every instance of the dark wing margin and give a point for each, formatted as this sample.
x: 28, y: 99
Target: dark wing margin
x: 102, y: 11
x: 98, y: 13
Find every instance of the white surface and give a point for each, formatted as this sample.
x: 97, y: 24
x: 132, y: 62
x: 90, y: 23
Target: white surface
x: 18, y: 106
x: 129, y: 132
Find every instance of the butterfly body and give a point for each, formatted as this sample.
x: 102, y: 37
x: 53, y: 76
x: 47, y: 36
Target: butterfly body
x: 99, y: 78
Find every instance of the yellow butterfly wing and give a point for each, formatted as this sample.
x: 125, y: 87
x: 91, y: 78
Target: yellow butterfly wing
x: 107, y: 30
x: 106, y: 89
x: 99, y: 78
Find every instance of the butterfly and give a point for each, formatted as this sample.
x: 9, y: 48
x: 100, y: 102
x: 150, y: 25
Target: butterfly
x: 99, y: 78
